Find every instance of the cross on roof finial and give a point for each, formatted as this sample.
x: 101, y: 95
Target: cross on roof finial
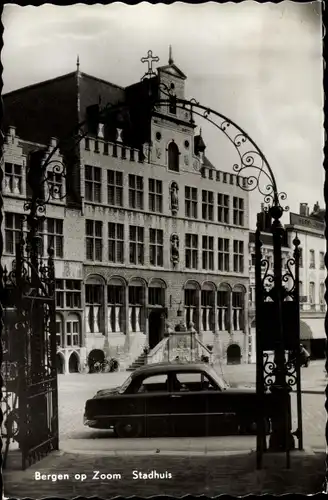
x: 149, y: 59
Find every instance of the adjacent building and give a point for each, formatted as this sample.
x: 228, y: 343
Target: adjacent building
x: 149, y: 229
x: 309, y: 228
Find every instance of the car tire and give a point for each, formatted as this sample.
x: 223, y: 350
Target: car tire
x: 128, y: 429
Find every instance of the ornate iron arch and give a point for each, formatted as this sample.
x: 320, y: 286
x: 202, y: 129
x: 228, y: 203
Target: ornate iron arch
x: 252, y: 159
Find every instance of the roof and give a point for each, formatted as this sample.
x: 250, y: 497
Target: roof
x: 58, y: 78
x: 170, y: 367
x: 207, y: 163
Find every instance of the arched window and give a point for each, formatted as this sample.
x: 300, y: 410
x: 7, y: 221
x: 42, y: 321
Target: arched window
x: 238, y: 308
x: 322, y: 296
x: 94, y: 295
x: 312, y: 294
x: 115, y: 303
x: 173, y: 154
x: 207, y: 306
x: 223, y: 306
x: 136, y: 305
x: 191, y: 303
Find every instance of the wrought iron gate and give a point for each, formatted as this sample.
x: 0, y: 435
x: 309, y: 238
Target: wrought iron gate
x: 31, y: 398
x: 278, y: 332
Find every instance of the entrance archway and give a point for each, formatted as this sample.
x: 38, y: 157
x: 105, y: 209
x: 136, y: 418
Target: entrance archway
x: 233, y: 354
x: 156, y: 327
x: 60, y: 363
x: 73, y: 363
x: 95, y: 356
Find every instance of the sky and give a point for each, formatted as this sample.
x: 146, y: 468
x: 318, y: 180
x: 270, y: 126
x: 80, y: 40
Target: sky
x: 258, y: 64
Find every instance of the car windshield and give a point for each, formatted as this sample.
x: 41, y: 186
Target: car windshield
x: 125, y: 385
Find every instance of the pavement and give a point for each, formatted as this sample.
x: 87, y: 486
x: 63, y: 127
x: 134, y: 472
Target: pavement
x: 198, y: 465
x: 64, y: 475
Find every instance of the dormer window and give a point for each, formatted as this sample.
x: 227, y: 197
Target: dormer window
x: 173, y: 157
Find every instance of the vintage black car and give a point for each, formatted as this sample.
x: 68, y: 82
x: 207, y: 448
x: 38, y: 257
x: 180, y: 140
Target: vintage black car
x: 177, y: 399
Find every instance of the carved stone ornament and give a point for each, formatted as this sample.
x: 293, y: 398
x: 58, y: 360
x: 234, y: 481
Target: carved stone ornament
x: 174, y: 249
x: 158, y: 152
x: 196, y: 165
x: 174, y: 198
x: 186, y: 159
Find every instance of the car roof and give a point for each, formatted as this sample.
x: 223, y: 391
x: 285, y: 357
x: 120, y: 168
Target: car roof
x: 169, y: 367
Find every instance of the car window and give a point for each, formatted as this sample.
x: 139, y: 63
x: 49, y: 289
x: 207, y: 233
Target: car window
x: 154, y: 383
x: 192, y: 381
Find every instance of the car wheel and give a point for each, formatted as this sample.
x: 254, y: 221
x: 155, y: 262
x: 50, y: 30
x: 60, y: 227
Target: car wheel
x: 128, y: 429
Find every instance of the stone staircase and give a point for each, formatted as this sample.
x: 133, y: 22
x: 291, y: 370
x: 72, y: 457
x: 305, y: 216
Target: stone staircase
x: 140, y: 361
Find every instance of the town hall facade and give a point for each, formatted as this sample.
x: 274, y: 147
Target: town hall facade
x: 149, y: 231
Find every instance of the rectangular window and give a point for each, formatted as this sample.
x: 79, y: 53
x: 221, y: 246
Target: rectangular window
x: 53, y: 236
x: 115, y: 188
x: 155, y: 193
x: 94, y: 244
x: 322, y: 260
x: 156, y: 247
x: 312, y: 259
x: 223, y: 254
x: 136, y: 192
x: 208, y: 252
x: 191, y: 202
x: 60, y: 294
x: 92, y: 183
x: 207, y: 205
x: 73, y: 294
x: 115, y: 242
x: 223, y: 208
x: 238, y: 256
x: 238, y: 211
x: 13, y: 228
x: 253, y: 259
x: 191, y: 251
x: 136, y: 236
x: 13, y: 179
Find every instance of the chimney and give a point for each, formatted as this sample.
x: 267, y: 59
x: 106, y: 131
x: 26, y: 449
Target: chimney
x: 304, y: 209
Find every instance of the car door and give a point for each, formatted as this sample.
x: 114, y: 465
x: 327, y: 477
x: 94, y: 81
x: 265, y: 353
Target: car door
x: 154, y: 391
x: 222, y: 415
x: 187, y: 404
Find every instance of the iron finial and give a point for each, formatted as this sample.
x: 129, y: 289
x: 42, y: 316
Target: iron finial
x: 170, y: 55
x: 78, y: 63
x: 296, y: 241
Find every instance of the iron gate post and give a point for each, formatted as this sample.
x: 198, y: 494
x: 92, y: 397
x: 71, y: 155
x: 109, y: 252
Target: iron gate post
x: 260, y: 430
x: 281, y: 438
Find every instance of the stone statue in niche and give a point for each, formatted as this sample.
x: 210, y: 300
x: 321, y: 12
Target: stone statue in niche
x: 158, y: 152
x: 174, y: 198
x: 175, y: 249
